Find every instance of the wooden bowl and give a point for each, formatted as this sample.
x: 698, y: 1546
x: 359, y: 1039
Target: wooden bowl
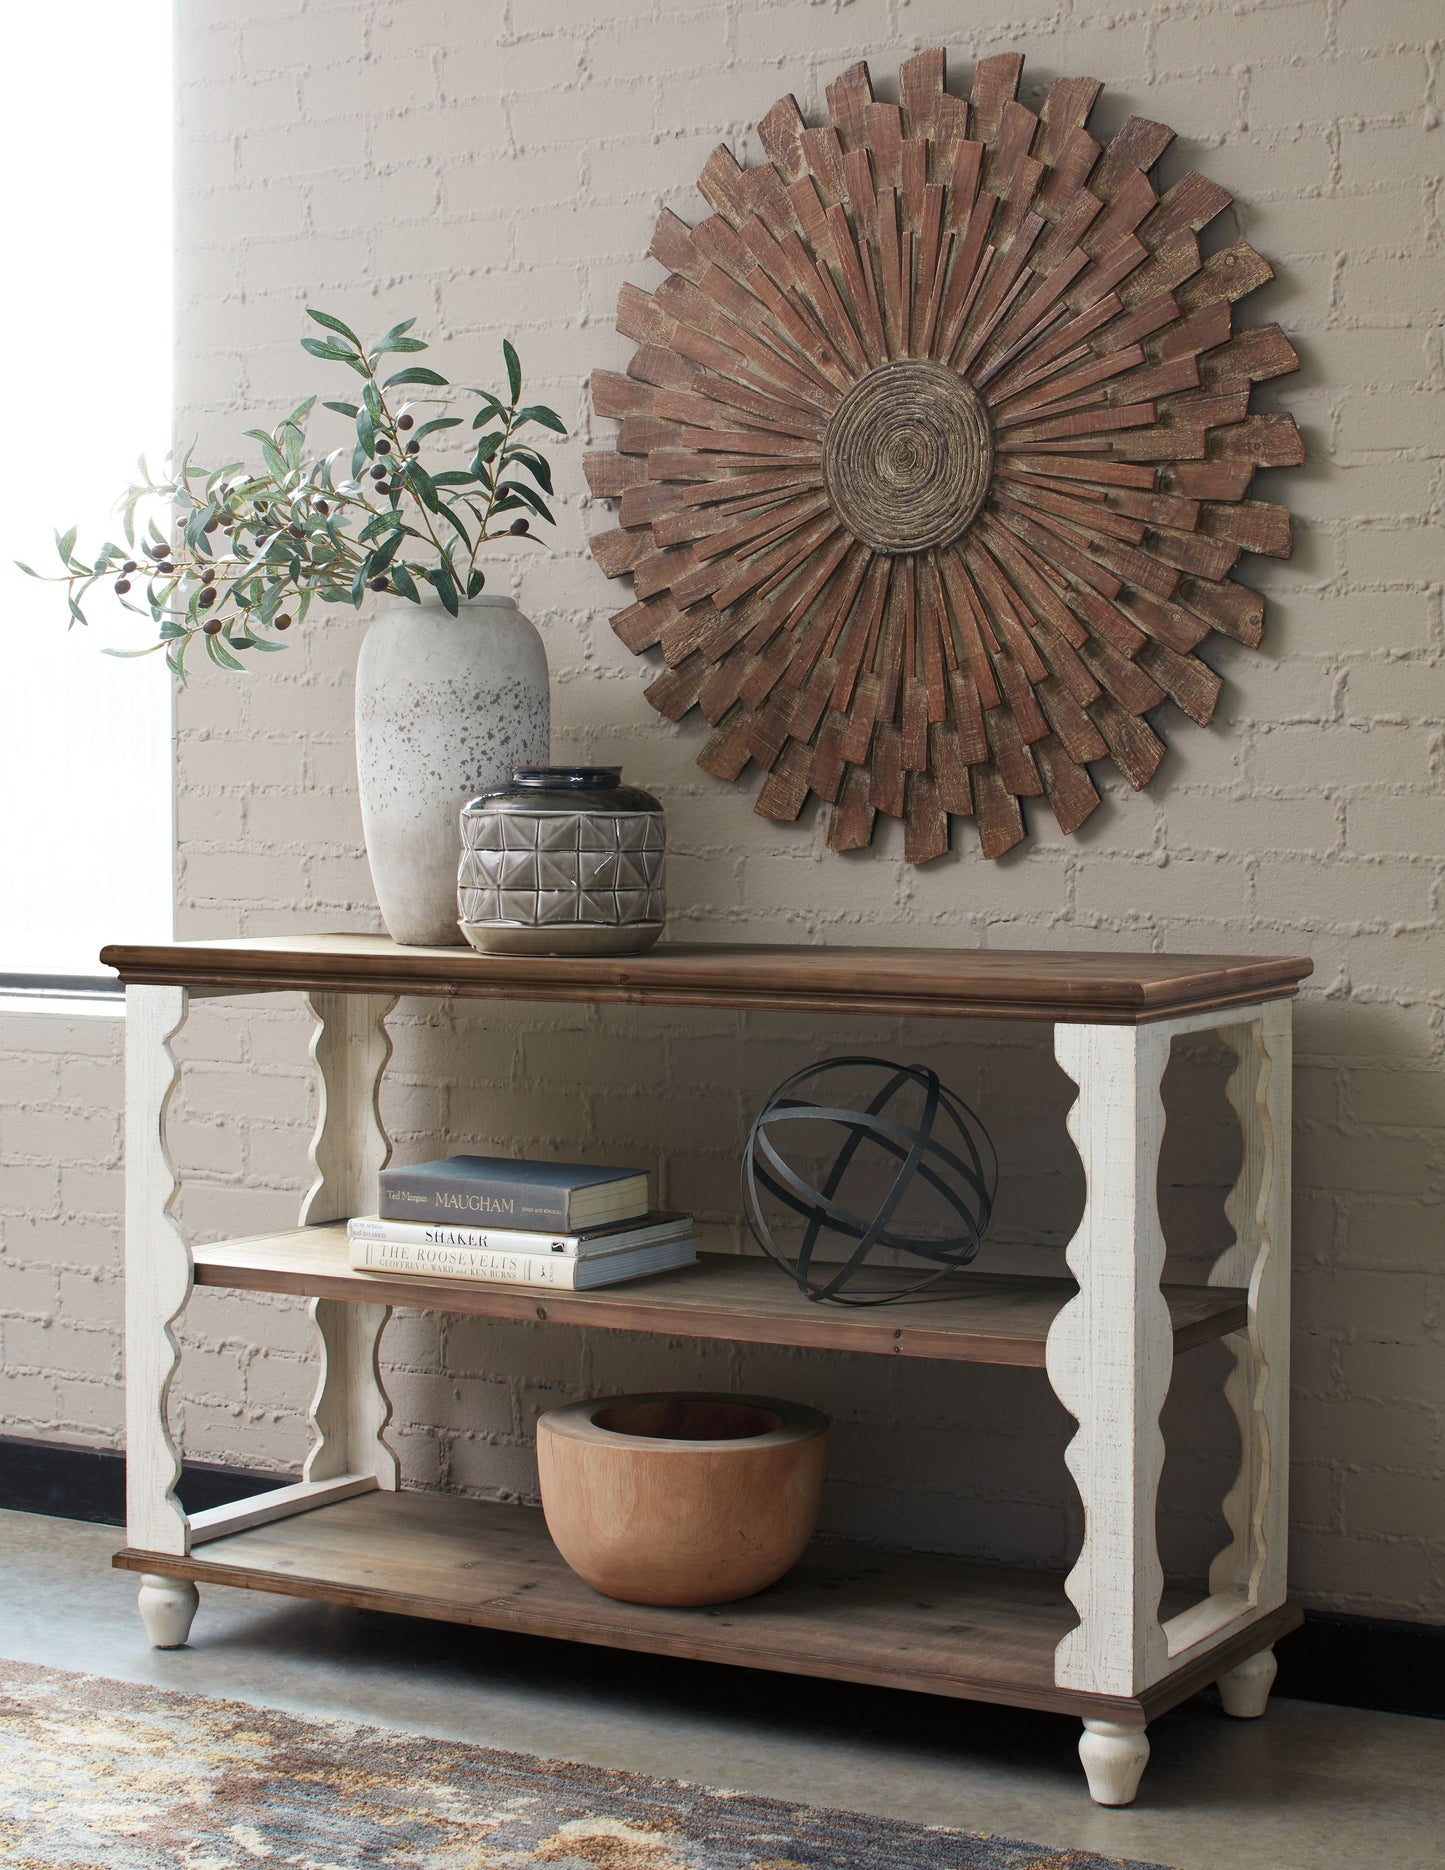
x: 681, y: 1498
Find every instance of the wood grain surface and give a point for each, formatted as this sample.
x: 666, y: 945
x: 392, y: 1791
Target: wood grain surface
x: 981, y: 983
x: 897, y: 1620
x: 992, y: 1318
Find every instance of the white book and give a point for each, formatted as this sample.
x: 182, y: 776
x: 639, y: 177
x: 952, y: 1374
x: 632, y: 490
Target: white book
x: 569, y: 1272
x: 650, y: 1230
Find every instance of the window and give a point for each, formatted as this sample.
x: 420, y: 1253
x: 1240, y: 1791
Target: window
x: 85, y: 738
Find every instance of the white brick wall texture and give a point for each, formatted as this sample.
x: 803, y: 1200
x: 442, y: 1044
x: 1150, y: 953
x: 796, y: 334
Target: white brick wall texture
x: 496, y: 169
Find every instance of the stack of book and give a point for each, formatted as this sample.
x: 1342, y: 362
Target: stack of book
x: 519, y: 1223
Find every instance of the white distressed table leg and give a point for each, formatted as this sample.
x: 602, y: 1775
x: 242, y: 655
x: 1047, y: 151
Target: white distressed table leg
x: 1254, y: 1562
x: 158, y: 1271
x: 1114, y: 1755
x: 350, y: 1410
x: 1110, y: 1353
x: 167, y: 1606
x: 1245, y: 1690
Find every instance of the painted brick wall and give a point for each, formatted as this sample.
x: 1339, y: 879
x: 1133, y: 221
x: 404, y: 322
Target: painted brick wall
x: 496, y: 169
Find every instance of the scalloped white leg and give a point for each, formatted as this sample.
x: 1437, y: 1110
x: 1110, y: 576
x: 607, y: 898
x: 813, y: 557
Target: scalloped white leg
x: 167, y: 1606
x: 1245, y: 1689
x: 1114, y: 1757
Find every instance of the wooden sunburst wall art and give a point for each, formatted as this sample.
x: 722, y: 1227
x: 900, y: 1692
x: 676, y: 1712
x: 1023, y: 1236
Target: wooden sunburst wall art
x: 933, y: 456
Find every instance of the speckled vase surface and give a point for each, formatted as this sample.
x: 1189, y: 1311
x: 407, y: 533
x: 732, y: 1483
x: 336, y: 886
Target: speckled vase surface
x: 445, y: 707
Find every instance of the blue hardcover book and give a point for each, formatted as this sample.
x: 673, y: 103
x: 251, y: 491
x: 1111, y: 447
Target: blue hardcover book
x: 477, y: 1190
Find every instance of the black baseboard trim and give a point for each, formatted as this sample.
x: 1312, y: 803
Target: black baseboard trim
x: 72, y: 1482
x: 1364, y: 1662
x: 1354, y: 1662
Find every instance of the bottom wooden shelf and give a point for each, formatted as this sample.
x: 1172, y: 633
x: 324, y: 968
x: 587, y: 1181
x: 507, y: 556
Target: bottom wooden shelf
x: 897, y: 1620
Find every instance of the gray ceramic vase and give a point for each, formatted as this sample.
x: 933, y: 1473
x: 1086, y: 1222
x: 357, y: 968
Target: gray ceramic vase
x: 564, y: 860
x: 445, y: 707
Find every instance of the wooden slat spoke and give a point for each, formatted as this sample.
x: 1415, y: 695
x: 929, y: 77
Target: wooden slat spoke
x: 1168, y: 268
x: 779, y: 133
x: 1254, y: 525
x: 1134, y: 747
x: 785, y: 790
x: 617, y: 551
x: 1137, y: 144
x: 1192, y: 203
x: 1069, y: 170
x: 953, y: 791
x: 1226, y: 276
x: 995, y: 84
x: 1064, y: 111
x: 676, y: 691
x: 1000, y: 822
x: 1071, y: 792
x: 1062, y: 346
x: 849, y: 96
x: 1121, y: 679
x: 1137, y: 415
x: 1077, y: 734
x: 1227, y: 607
x: 850, y: 824
x: 1071, y: 468
x: 1207, y: 480
x: 1185, y: 679
x: 609, y: 474
x: 726, y: 754
x: 921, y: 88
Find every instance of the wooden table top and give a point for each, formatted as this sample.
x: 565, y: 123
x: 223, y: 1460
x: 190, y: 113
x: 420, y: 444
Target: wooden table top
x: 981, y: 983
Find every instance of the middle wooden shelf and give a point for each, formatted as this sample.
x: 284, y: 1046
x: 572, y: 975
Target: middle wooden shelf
x: 985, y: 1318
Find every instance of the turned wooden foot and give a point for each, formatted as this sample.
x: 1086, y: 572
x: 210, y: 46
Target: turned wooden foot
x: 1245, y: 1689
x: 167, y: 1606
x: 1114, y: 1758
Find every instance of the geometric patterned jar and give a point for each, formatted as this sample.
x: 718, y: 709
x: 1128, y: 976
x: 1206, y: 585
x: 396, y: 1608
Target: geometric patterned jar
x: 565, y: 860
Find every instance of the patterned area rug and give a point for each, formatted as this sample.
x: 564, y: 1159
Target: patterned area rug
x: 101, y: 1773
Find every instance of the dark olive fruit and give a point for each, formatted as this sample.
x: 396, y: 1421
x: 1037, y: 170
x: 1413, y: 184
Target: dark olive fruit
x: 283, y: 622
x: 405, y: 422
x: 383, y: 446
x: 378, y: 472
x: 208, y: 576
x: 165, y: 568
x: 212, y: 626
x: 128, y: 566
x: 122, y: 585
x: 413, y: 448
x: 322, y: 508
x: 212, y: 523
x: 520, y: 525
x: 206, y: 599
x: 296, y: 532
x: 380, y: 584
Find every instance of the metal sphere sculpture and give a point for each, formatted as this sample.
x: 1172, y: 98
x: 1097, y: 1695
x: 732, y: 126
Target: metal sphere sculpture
x: 945, y: 1147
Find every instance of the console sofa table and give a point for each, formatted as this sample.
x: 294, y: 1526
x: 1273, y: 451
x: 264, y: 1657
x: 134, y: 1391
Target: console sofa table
x: 1095, y: 1643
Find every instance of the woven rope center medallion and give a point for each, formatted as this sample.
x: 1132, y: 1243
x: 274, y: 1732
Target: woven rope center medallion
x: 908, y: 457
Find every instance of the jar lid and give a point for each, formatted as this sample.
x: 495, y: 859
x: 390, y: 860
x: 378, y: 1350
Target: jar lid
x: 579, y: 778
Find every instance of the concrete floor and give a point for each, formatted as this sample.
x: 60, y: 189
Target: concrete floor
x: 1308, y: 1788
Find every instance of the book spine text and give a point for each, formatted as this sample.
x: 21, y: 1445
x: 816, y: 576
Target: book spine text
x: 510, y: 1203
x: 438, y: 1234
x: 519, y: 1269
